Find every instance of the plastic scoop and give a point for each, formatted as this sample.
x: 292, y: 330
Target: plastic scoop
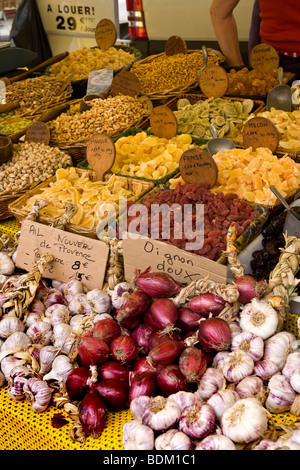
x: 281, y: 96
x: 285, y: 204
x: 218, y: 144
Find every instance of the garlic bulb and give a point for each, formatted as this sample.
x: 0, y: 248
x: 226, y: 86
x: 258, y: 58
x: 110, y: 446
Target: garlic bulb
x: 295, y: 408
x: 138, y: 406
x: 63, y: 337
x: 161, y: 414
x: 280, y: 394
x: 32, y: 318
x: 267, y: 444
x: 295, y: 380
x: 60, y: 315
x: 47, y: 355
x: 288, y: 444
x: 37, y: 306
x: 16, y: 389
x: 211, y: 382
x: 278, y: 347
x: 292, y: 364
x: 173, y: 439
x: 222, y: 400
x: 250, y: 343
x: 219, y: 359
x: 237, y: 365
x: 260, y: 318
x: 102, y: 316
x: 38, y: 393
x: 79, y: 305
x: 136, y: 436
x: 245, y: 421
x: 119, y: 294
x: 8, y: 363
x: 17, y: 341
x: 10, y: 324
x: 7, y: 266
x: 61, y: 308
x: 61, y: 367
x: 99, y: 300
x: 183, y: 399
x: 215, y: 442
x: 40, y: 332
x: 252, y: 386
x: 234, y: 328
x: 265, y: 369
x: 198, y: 420
x: 71, y: 288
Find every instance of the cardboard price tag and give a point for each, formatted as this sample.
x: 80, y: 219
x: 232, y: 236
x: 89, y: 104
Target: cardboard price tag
x: 125, y: 83
x: 260, y: 132
x: 38, y: 132
x: 175, y: 45
x: 163, y: 122
x: 185, y: 267
x: 264, y: 58
x: 197, y: 166
x: 100, y: 154
x: 75, y: 256
x: 213, y: 81
x: 105, y: 34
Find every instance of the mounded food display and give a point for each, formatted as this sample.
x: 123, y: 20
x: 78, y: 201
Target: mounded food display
x: 149, y: 297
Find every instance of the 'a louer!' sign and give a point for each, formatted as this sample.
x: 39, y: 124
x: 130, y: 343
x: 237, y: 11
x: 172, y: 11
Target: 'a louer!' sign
x: 75, y: 18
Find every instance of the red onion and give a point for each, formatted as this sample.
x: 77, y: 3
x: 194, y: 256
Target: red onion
x: 207, y: 304
x: 142, y: 365
x: 166, y: 352
x: 142, y: 335
x: 107, y: 330
x: 92, y: 351
x: 249, y: 288
x: 131, y: 323
x: 76, y: 383
x: 192, y: 364
x: 114, y: 393
x: 134, y: 305
x: 93, y: 414
x: 214, y: 334
x: 162, y: 313
x: 142, y: 383
x: 188, y: 320
x: 159, y: 336
x: 124, y: 349
x: 157, y: 284
x: 113, y: 370
x: 170, y: 380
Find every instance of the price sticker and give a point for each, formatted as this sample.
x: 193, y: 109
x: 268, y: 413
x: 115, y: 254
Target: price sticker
x: 213, y: 81
x: 197, y: 166
x: 100, y: 153
x: 260, y: 132
x: 163, y: 122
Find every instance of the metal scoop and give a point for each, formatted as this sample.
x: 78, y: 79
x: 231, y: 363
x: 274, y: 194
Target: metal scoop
x: 205, y: 55
x: 218, y: 144
x: 285, y: 204
x: 281, y: 96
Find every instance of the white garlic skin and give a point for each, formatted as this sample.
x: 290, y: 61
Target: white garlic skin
x: 47, y: 355
x: 292, y: 364
x: 99, y: 300
x: 280, y: 394
x: 7, y: 266
x: 260, y: 318
x: 10, y: 324
x: 137, y: 436
x: 40, y: 332
x: 295, y: 381
x: 278, y: 347
x: 61, y: 367
x: 265, y: 369
x: 160, y: 414
x: 183, y: 399
x: 173, y: 439
x: 211, y: 382
x: 250, y: 343
x: 18, y: 341
x: 8, y: 363
x: 252, y: 386
x: 38, y: 393
x: 222, y: 400
x: 267, y: 444
x: 215, y: 442
x: 237, y: 365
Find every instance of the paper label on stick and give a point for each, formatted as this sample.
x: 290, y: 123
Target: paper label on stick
x: 260, y: 132
x: 100, y: 154
x: 197, y: 166
x: 213, y: 81
x: 105, y: 34
x: 264, y: 58
x: 38, y: 132
x: 161, y: 257
x: 125, y: 83
x: 75, y: 256
x: 175, y: 45
x: 163, y: 122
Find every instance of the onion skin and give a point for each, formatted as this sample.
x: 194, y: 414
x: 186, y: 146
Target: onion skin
x: 76, y: 383
x: 192, y: 364
x: 124, y: 349
x: 157, y: 284
x: 114, y: 393
x: 113, y: 370
x: 187, y: 320
x: 142, y: 365
x: 134, y: 305
x: 92, y: 351
x: 165, y: 353
x: 214, y: 334
x: 159, y: 336
x: 249, y: 288
x: 170, y: 380
x: 93, y: 414
x: 142, y: 334
x: 107, y: 330
x: 163, y: 312
x: 142, y: 384
x: 207, y: 304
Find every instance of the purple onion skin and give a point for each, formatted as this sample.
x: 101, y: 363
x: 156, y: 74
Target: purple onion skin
x: 142, y: 335
x: 170, y: 380
x: 93, y: 414
x: 157, y: 285
x: 143, y: 383
x: 207, y: 304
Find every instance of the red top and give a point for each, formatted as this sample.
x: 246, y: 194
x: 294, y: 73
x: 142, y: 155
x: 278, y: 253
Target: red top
x: 280, y: 25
